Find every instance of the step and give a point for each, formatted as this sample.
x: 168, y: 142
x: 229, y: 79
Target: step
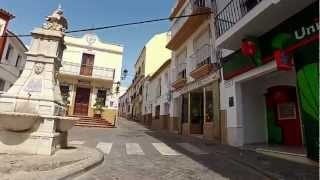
x: 97, y: 126
x: 89, y: 121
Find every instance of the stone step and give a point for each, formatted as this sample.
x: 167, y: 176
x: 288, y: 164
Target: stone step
x: 94, y: 125
x: 93, y: 121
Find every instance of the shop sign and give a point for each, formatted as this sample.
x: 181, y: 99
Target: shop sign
x: 277, y: 44
x: 196, y: 84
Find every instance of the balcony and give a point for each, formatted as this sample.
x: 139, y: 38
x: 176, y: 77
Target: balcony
x: 184, y: 27
x: 180, y: 76
x: 242, y: 18
x: 201, y: 63
x: 85, y: 71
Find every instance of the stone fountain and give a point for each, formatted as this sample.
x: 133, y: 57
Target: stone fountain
x: 32, y: 114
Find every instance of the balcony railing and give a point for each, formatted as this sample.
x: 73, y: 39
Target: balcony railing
x: 77, y: 69
x: 200, y: 57
x: 191, y: 8
x: 180, y: 72
x: 234, y: 11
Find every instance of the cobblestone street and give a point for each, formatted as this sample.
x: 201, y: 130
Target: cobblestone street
x: 135, y: 152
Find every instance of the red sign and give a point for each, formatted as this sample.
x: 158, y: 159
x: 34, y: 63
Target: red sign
x: 283, y: 60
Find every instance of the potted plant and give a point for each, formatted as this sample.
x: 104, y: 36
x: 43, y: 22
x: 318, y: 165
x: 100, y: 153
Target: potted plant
x: 98, y: 107
x: 65, y: 99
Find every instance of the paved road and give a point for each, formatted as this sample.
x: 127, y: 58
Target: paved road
x: 133, y: 152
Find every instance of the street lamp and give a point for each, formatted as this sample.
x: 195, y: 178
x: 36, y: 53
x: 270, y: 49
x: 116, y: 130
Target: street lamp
x: 124, y: 74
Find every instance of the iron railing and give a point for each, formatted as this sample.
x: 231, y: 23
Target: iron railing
x: 77, y: 69
x: 180, y: 72
x: 200, y: 57
x: 234, y: 11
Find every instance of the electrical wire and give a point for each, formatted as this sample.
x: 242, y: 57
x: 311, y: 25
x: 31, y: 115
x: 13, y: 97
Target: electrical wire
x: 120, y: 25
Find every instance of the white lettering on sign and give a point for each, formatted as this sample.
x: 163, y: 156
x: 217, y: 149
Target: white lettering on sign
x: 306, y: 31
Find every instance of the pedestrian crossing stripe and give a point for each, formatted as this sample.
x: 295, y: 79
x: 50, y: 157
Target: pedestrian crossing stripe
x: 75, y: 142
x: 191, y: 148
x: 134, y: 149
x: 165, y: 149
x: 104, y: 147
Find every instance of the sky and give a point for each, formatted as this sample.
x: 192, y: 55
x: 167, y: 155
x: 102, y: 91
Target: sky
x: 95, y: 13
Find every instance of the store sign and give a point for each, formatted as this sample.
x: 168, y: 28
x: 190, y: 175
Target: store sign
x: 277, y: 44
x: 196, y: 84
x: 307, y: 31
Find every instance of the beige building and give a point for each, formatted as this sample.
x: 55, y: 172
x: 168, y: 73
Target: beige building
x: 90, y: 70
x: 150, y: 59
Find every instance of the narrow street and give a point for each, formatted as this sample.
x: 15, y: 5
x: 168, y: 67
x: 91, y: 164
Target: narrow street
x: 135, y: 152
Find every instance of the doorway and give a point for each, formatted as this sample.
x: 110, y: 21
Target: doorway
x: 283, y: 116
x: 82, y: 101
x: 196, y: 111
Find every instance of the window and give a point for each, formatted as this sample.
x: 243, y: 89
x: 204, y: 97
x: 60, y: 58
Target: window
x: 9, y: 51
x: 2, y: 84
x: 87, y: 63
x: 102, y: 94
x: 159, y: 88
x: 18, y: 60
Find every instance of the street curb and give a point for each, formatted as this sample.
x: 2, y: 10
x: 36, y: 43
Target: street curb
x: 79, y: 168
x: 95, y: 158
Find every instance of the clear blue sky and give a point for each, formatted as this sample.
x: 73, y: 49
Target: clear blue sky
x: 95, y: 13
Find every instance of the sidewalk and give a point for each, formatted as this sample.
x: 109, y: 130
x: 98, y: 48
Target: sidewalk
x: 65, y: 163
x: 272, y: 167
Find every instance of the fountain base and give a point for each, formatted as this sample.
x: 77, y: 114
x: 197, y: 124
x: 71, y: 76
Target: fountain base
x: 44, y: 137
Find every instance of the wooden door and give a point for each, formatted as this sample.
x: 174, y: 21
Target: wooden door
x: 82, y: 101
x: 87, y: 64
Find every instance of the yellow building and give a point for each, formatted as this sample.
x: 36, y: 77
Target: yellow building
x: 90, y: 70
x: 150, y: 59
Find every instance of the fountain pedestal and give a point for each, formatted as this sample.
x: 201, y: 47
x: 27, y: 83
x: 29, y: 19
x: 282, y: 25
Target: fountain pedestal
x: 32, y: 112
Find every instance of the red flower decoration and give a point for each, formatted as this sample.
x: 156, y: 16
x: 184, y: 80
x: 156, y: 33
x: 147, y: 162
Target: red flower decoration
x: 248, y: 48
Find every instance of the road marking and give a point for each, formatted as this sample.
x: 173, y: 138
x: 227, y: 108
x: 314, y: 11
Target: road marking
x: 165, y: 149
x: 134, y: 149
x: 76, y: 142
x: 104, y: 147
x: 192, y: 148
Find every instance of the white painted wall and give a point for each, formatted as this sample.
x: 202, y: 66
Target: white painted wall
x: 156, y: 100
x: 8, y: 71
x: 106, y: 55
x: 248, y: 115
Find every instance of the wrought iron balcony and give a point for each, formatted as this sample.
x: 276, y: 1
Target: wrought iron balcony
x: 234, y: 11
x: 179, y: 76
x: 201, y: 62
x: 76, y: 69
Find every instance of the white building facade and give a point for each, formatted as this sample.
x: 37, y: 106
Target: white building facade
x: 91, y: 69
x: 12, y: 53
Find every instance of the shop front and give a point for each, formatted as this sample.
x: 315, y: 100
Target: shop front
x: 197, y: 106
x: 272, y: 88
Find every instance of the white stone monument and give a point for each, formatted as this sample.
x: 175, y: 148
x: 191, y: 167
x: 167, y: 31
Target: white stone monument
x: 32, y: 112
